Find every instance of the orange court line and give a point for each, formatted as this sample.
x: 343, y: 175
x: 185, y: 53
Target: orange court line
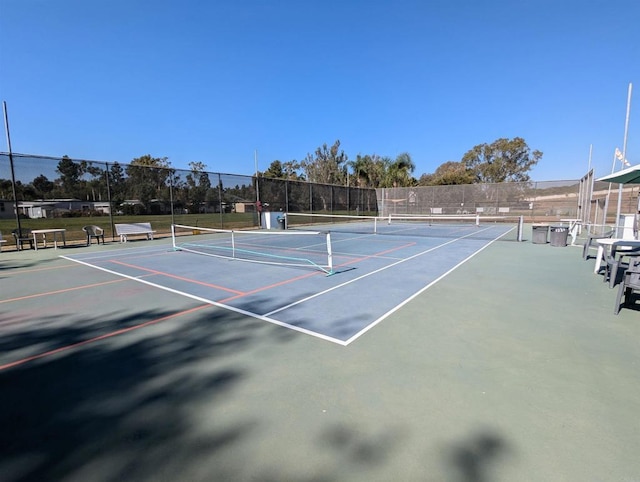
x: 273, y: 285
x: 100, y: 337
x: 35, y: 270
x: 57, y: 292
x: 181, y: 278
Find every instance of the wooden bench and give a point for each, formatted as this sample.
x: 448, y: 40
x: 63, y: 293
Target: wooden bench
x: 124, y: 230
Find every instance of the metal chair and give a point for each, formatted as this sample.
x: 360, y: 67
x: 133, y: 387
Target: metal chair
x: 93, y: 231
x: 591, y: 238
x: 614, y: 261
x: 21, y: 237
x: 629, y: 284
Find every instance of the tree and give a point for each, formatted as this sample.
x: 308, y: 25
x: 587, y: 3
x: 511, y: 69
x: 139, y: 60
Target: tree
x: 43, y: 186
x: 449, y: 173
x: 147, y: 177
x: 368, y: 170
x: 274, y: 170
x: 399, y: 171
x: 117, y: 183
x: 291, y: 170
x: 97, y: 185
x: 198, y: 184
x: 329, y: 166
x: 70, y: 174
x: 503, y: 160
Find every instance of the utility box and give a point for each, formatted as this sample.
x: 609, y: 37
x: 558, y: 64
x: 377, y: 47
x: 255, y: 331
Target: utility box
x: 540, y: 233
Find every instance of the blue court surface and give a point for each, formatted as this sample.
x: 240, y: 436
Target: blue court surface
x: 373, y: 275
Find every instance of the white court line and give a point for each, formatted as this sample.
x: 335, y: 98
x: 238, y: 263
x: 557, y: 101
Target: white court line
x: 214, y: 303
x: 266, y: 317
x: 124, y: 252
x: 404, y: 260
x: 419, y: 292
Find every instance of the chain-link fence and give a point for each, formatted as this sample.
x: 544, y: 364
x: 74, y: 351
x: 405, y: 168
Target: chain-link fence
x: 305, y: 197
x: 536, y: 201
x: 69, y: 193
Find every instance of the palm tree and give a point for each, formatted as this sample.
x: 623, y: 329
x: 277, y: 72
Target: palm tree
x: 399, y: 171
x: 361, y: 168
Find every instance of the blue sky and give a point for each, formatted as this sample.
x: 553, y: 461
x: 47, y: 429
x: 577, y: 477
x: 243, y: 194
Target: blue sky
x: 215, y: 81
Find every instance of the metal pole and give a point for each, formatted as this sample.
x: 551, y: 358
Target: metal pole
x: 606, y: 201
x: 13, y: 176
x: 624, y: 153
x: 286, y: 195
x: 255, y: 158
x: 173, y: 219
x: 109, y: 198
x: 220, y: 200
x: 585, y: 210
x: 258, y: 202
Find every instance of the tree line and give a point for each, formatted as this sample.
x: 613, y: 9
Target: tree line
x: 503, y: 160
x: 147, y: 178
x: 149, y: 181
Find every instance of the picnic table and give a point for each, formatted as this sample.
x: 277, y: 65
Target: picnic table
x: 44, y: 232
x: 607, y: 243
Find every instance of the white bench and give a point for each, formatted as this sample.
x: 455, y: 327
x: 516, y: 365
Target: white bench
x: 124, y: 230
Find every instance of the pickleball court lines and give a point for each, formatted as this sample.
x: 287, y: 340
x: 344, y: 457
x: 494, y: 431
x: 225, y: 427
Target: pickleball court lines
x: 268, y: 315
x: 416, y: 294
x: 104, y: 336
x: 212, y: 302
x: 180, y: 278
x: 236, y: 294
x: 359, y: 278
x: 59, y: 292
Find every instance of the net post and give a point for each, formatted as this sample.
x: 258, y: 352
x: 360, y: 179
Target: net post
x: 477, y: 220
x: 173, y: 236
x: 233, y: 244
x: 520, y: 227
x: 329, y: 254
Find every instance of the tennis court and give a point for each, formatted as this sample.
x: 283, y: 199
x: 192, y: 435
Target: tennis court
x: 331, y: 285
x: 453, y: 358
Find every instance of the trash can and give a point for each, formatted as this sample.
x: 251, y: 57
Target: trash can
x: 559, y: 235
x: 540, y: 233
x: 282, y: 222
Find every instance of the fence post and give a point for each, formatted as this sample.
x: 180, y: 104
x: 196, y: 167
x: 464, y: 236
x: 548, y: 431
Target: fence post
x: 110, y: 199
x: 220, y: 200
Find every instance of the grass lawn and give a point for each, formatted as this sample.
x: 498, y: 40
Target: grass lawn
x: 160, y: 223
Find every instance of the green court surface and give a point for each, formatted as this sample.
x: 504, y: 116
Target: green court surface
x: 512, y: 367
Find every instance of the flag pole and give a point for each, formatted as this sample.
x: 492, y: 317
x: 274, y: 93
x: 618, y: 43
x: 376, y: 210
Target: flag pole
x: 624, y: 156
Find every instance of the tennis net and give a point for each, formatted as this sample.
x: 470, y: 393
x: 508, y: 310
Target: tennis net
x: 307, y: 249
x: 465, y: 226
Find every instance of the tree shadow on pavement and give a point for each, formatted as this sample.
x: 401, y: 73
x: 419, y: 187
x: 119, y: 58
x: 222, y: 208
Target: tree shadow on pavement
x: 121, y: 408
x: 475, y: 458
